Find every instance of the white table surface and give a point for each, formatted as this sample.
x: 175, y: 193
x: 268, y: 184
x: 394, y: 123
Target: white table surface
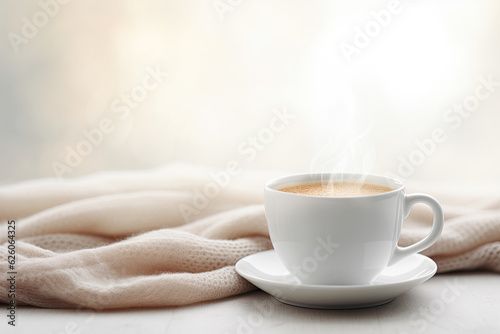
x: 449, y: 303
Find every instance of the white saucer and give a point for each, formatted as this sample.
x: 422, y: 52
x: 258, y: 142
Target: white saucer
x: 266, y: 271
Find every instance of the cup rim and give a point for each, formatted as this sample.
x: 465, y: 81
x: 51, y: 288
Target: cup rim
x: 271, y: 184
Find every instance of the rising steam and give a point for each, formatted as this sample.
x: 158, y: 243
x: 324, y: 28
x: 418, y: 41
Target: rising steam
x: 349, y: 148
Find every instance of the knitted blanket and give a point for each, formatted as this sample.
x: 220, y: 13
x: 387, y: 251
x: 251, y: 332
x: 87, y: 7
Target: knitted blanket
x: 171, y: 236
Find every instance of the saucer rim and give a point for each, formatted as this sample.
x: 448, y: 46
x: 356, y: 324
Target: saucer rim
x: 420, y: 279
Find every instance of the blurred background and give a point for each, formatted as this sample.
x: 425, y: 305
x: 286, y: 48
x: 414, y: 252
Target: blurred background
x: 404, y: 88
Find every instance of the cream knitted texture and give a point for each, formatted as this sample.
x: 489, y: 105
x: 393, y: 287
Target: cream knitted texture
x: 115, y: 240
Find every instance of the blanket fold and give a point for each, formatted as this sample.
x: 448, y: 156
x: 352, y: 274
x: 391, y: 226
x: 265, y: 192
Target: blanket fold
x: 163, y: 238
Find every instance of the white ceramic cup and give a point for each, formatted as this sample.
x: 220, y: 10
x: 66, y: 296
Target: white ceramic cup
x: 340, y: 240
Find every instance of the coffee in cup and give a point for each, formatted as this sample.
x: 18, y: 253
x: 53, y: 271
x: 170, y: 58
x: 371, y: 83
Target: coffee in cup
x: 344, y: 233
x: 336, y: 189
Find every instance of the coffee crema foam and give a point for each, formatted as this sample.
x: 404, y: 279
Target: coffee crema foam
x: 336, y: 189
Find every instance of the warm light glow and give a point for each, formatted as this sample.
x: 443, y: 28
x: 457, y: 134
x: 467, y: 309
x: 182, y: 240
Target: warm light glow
x: 228, y: 73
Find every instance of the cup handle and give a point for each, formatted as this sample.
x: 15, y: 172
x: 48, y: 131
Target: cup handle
x: 437, y: 226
